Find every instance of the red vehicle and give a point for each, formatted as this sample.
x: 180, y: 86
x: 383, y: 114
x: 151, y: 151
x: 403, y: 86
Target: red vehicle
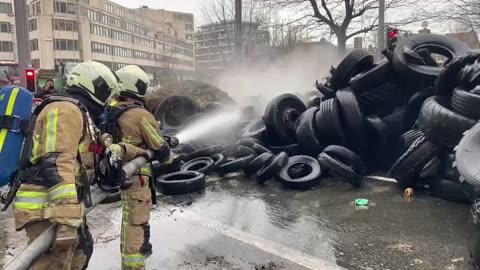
x: 9, y: 73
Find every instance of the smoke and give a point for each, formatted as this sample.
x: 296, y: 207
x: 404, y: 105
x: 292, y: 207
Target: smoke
x: 277, y: 71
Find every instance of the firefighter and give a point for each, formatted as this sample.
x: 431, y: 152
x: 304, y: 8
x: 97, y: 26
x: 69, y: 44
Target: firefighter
x: 135, y: 129
x: 61, y: 155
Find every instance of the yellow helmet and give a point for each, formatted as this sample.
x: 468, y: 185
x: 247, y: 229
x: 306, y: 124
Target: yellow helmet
x: 133, y: 80
x: 96, y: 79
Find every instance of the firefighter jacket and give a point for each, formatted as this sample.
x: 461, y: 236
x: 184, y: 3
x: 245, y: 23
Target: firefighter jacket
x: 139, y: 131
x: 60, y: 152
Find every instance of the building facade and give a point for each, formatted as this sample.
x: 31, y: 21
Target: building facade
x: 215, y: 44
x: 8, y: 48
x: 159, y: 41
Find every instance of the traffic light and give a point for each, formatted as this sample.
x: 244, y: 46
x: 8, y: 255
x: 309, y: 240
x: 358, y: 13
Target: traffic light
x: 392, y: 39
x: 31, y: 79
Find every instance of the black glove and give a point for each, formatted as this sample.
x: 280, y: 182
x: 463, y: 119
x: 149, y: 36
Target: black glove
x: 174, y: 166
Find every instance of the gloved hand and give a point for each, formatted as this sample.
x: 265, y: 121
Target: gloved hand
x: 172, y: 141
x: 174, y: 166
x: 118, y: 149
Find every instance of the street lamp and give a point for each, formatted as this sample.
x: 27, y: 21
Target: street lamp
x: 381, y: 29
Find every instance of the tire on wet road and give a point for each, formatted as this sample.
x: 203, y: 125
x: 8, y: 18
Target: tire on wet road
x: 180, y: 182
x: 307, y: 176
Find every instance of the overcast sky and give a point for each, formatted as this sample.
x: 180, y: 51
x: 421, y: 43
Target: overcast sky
x: 191, y: 6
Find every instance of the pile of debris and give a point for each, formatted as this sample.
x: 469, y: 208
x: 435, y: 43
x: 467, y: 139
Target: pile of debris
x: 403, y: 115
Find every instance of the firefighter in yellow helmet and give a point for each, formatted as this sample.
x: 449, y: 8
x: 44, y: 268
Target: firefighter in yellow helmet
x: 53, y: 183
x: 135, y: 129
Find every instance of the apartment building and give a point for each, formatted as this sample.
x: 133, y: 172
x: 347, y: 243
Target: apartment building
x: 8, y: 47
x: 215, y: 44
x: 159, y: 41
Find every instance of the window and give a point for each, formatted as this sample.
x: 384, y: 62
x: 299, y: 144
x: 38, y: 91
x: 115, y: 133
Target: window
x: 36, y: 8
x: 175, y: 33
x: 36, y: 63
x: 32, y: 25
x: 101, y: 48
x: 188, y: 36
x: 62, y: 7
x: 121, y: 12
x: 100, y: 30
x: 5, y: 27
x: 6, y: 46
x: 5, y: 7
x: 34, y: 45
x: 169, y: 24
x: 85, y: 2
x: 109, y: 8
x: 92, y: 15
x: 64, y: 25
x: 66, y: 45
x: 188, y: 27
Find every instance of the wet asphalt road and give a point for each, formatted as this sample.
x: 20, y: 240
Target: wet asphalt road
x: 235, y: 224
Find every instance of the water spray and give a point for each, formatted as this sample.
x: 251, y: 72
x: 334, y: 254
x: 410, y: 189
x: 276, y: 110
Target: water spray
x: 217, y: 123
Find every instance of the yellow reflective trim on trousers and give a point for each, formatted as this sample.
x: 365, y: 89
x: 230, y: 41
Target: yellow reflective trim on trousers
x: 82, y: 148
x: 36, y: 144
x: 32, y: 194
x: 152, y: 132
x: 29, y: 206
x: 8, y: 111
x: 31, y: 200
x: 63, y: 191
x: 133, y: 260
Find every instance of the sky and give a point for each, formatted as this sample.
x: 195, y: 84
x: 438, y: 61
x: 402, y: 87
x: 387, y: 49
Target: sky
x: 190, y: 6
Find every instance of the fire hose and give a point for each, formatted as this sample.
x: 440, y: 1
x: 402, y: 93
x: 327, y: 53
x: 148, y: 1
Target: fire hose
x: 42, y: 243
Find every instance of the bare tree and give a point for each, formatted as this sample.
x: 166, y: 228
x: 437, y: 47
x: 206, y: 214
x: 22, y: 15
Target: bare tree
x: 465, y: 12
x: 343, y: 19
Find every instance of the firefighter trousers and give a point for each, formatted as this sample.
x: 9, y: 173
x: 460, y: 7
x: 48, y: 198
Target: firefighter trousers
x: 75, y: 259
x: 135, y: 216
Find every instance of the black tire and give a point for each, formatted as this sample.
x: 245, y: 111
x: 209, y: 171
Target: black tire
x: 235, y: 165
x: 329, y: 125
x: 112, y: 198
x: 467, y: 157
x: 202, y: 164
x: 346, y: 156
x: 423, y: 74
x: 326, y: 91
x: 414, y: 106
x: 381, y: 100
x: 440, y: 124
x: 291, y: 149
x: 307, y: 138
x: 314, y: 101
x: 409, y: 137
x: 432, y: 168
x: 218, y: 159
x: 270, y: 169
x: 174, y: 111
x: 448, y: 190
x: 466, y: 103
x: 395, y: 122
x: 340, y: 169
x: 281, y: 115
x: 258, y: 162
x: 378, y: 132
x: 307, y: 181
x: 260, y: 149
x: 449, y: 171
x: 354, y: 122
x: 408, y: 167
x: 180, y: 182
x: 243, y: 151
x: 354, y: 63
x: 207, y: 151
x: 255, y: 129
x: 378, y: 75
x: 248, y: 142
x: 447, y: 80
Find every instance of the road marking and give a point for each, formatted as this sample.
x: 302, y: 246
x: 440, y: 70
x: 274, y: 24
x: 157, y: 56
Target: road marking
x: 271, y: 247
